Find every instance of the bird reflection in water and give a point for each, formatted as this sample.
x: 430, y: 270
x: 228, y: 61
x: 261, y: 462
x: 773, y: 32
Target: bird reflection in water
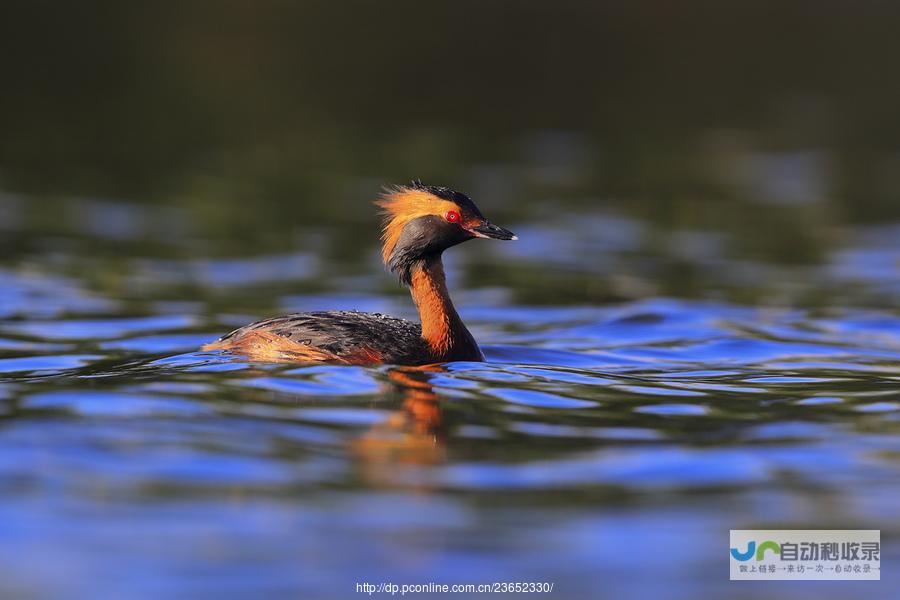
x: 413, y: 435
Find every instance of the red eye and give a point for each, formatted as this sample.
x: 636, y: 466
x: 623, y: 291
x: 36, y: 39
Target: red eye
x: 453, y: 216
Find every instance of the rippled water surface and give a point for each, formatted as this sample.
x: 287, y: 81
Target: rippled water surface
x: 596, y: 432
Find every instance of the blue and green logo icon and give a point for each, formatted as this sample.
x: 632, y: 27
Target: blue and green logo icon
x: 759, y: 552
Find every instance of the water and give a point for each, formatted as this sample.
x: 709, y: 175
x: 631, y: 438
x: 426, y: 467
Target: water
x: 134, y: 465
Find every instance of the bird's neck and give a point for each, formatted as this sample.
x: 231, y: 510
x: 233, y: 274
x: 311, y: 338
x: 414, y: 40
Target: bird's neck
x: 442, y: 329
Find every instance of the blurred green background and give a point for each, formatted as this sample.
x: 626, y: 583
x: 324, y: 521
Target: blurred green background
x: 759, y: 132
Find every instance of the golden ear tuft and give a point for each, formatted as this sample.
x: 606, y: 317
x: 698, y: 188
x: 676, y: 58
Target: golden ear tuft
x: 402, y: 204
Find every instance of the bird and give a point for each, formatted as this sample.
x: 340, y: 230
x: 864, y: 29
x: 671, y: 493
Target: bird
x: 419, y: 222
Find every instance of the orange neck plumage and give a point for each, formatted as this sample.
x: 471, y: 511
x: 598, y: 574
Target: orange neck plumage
x: 442, y: 329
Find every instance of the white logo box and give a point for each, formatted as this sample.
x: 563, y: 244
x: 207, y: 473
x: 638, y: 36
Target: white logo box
x: 805, y: 554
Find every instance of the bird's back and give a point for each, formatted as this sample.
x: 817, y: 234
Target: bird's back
x: 330, y: 336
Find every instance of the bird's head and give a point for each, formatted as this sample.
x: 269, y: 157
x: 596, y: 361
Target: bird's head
x: 421, y: 221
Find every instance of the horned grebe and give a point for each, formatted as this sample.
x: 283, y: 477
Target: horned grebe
x: 420, y: 222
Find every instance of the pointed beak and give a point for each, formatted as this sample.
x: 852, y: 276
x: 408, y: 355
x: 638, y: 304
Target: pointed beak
x: 488, y: 230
